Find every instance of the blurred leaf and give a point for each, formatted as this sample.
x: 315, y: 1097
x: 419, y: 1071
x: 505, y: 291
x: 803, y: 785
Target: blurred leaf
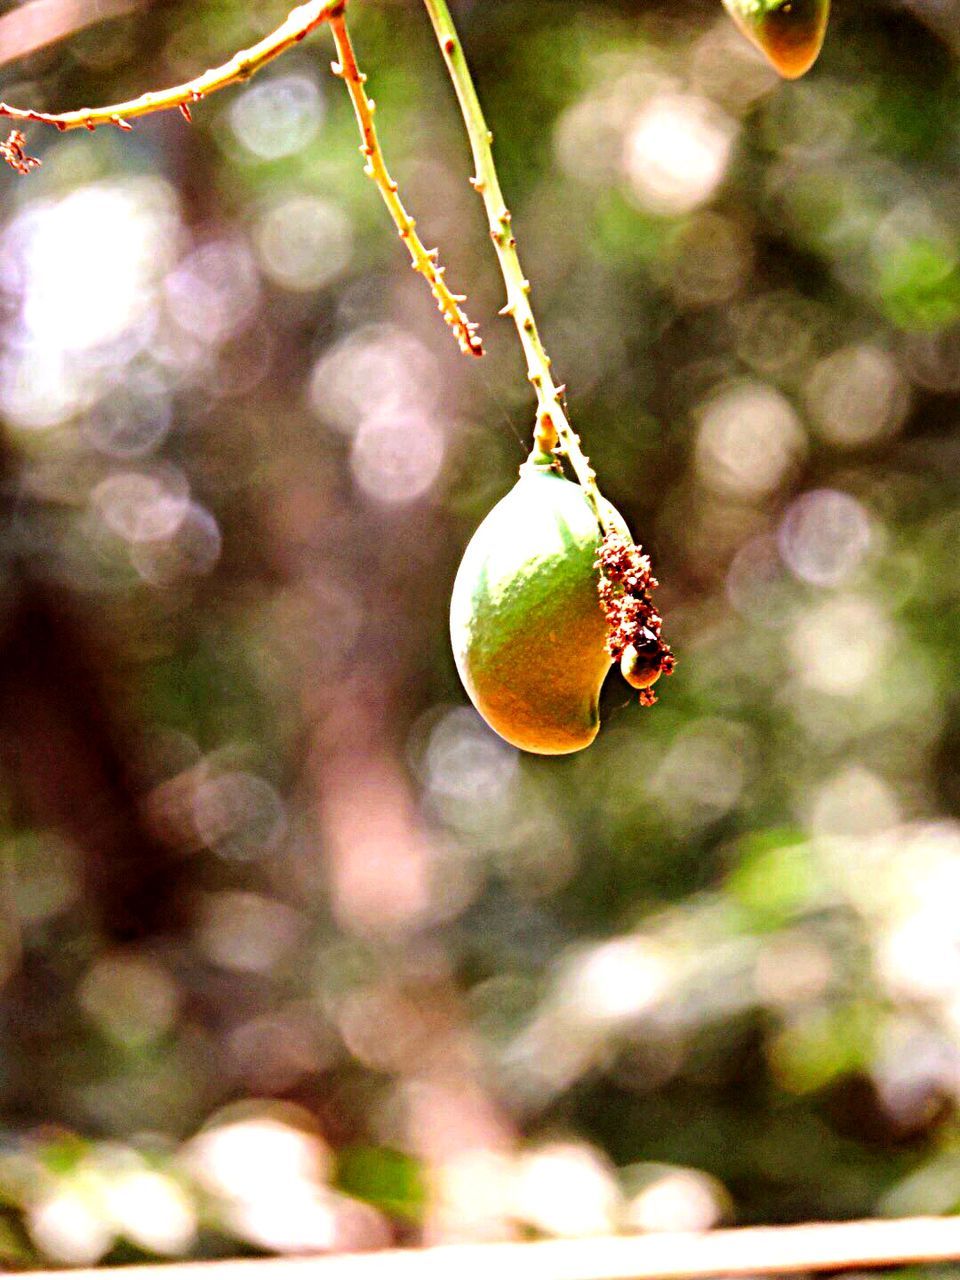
x: 389, y: 1180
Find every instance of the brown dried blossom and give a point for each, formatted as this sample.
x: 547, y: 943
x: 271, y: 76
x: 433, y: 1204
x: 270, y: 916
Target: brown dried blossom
x: 13, y: 152
x: 626, y: 583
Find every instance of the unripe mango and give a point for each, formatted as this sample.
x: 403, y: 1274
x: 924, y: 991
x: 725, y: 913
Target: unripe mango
x: 528, y: 631
x: 789, y: 32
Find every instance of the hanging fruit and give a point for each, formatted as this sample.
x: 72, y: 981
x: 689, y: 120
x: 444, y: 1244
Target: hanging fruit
x: 789, y: 32
x: 534, y: 621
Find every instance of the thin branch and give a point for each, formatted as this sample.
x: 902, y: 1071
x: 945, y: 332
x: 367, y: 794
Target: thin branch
x: 752, y: 1251
x: 424, y: 260
x: 300, y: 22
x: 552, y: 422
x: 297, y: 26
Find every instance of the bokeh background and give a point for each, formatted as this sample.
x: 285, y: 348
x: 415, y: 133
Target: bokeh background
x: 295, y: 954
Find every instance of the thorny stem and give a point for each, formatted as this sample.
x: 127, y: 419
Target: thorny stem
x: 424, y: 260
x: 296, y: 27
x: 299, y: 23
x: 552, y: 422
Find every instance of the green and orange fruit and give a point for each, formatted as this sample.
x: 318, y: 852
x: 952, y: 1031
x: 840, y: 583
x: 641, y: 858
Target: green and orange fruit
x: 789, y: 32
x: 528, y: 631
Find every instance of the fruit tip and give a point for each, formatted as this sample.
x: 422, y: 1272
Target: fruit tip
x: 789, y: 33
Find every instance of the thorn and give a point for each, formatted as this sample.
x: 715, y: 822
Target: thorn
x: 122, y: 124
x: 186, y: 112
x: 508, y: 310
x: 337, y: 69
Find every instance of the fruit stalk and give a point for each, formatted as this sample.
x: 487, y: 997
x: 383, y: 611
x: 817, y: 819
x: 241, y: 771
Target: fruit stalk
x: 553, y: 427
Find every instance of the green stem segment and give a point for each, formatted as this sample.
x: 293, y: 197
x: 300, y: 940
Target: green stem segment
x: 553, y: 425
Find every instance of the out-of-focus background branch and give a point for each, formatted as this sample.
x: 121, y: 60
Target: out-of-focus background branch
x: 672, y: 1255
x: 296, y: 956
x: 28, y: 27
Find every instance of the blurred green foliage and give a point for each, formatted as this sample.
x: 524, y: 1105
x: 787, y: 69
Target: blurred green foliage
x: 296, y: 954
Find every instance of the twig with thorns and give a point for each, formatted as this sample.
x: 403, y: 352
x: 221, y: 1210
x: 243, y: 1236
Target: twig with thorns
x: 247, y: 62
x: 423, y: 260
x: 300, y: 22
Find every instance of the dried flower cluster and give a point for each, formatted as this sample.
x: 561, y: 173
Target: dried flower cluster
x: 12, y: 150
x: 626, y: 583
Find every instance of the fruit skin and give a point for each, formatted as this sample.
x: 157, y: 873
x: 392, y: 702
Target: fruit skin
x: 528, y: 632
x: 789, y: 32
